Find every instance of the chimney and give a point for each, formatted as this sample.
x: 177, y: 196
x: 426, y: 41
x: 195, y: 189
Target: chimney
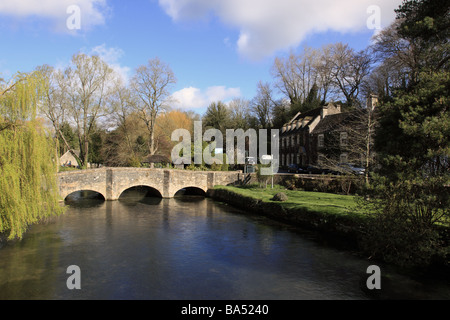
x: 372, y: 101
x: 329, y: 110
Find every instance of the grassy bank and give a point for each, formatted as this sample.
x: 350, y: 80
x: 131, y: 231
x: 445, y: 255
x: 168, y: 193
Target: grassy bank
x: 335, y: 215
x: 319, y: 202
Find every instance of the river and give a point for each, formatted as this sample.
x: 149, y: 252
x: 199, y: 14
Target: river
x: 187, y: 248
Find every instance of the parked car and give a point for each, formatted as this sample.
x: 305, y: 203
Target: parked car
x: 331, y: 171
x: 351, y: 169
x: 313, y: 170
x: 295, y: 168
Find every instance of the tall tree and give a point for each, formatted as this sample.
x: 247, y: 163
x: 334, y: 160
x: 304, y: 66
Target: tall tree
x: 413, y: 144
x: 152, y: 84
x: 217, y: 116
x: 89, y: 86
x: 262, y: 105
x: 54, y: 108
x: 240, y: 113
x: 349, y: 69
x: 28, y: 188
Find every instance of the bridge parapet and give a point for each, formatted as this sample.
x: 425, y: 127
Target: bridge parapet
x: 112, y: 182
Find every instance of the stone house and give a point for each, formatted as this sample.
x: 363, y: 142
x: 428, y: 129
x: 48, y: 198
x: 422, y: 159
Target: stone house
x: 325, y: 137
x: 296, y: 145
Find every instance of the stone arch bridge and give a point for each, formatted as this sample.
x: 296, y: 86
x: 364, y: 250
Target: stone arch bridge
x: 112, y: 182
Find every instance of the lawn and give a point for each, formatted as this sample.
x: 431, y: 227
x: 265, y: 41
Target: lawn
x: 326, y: 203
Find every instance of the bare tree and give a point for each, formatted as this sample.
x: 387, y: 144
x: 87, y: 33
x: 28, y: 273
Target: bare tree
x: 296, y: 74
x: 348, y: 69
x: 152, y: 84
x: 262, y: 105
x: 240, y: 110
x: 54, y: 103
x: 123, y: 103
x: 286, y: 77
x: 88, y: 87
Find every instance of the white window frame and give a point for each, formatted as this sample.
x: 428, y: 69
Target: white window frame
x: 344, y: 139
x: 321, y: 140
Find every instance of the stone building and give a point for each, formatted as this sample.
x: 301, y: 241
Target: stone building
x: 296, y: 143
x: 325, y: 136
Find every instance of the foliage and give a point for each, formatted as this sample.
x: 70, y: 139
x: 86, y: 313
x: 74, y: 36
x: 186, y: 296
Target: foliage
x: 411, y: 195
x: 405, y: 216
x: 28, y: 189
x: 217, y: 116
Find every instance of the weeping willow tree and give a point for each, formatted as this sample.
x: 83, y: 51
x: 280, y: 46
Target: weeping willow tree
x: 28, y: 189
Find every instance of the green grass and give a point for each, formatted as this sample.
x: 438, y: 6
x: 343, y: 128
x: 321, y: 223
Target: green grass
x: 327, y: 203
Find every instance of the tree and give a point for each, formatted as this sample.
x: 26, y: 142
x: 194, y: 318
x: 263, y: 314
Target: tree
x: 167, y: 123
x: 28, y: 188
x: 217, y: 116
x: 89, y: 85
x: 425, y: 24
x: 54, y: 108
x: 281, y: 113
x: 152, y: 84
x: 410, y: 197
x: 296, y: 75
x: 263, y: 104
x: 348, y: 70
x: 240, y: 113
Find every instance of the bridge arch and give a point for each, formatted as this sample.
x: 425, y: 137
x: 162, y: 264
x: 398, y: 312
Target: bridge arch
x: 83, y: 194
x: 191, y: 190
x: 151, y: 190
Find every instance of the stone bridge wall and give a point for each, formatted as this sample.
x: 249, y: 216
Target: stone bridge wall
x: 112, y: 182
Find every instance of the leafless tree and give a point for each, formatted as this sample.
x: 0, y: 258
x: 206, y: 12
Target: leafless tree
x: 55, y: 101
x: 349, y: 69
x: 89, y: 83
x: 152, y: 84
x: 262, y: 105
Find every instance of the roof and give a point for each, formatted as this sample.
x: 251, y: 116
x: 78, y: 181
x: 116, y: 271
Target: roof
x: 306, y: 118
x: 69, y: 153
x: 332, y: 121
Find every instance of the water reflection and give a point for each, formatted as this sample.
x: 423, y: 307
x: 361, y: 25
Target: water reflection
x: 85, y: 199
x: 185, y: 248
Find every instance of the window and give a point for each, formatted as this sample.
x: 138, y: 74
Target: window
x: 344, y: 139
x: 343, y: 158
x: 321, y: 141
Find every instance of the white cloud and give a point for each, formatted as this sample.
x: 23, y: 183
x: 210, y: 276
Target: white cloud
x: 92, y: 12
x: 112, y: 56
x: 193, y: 98
x: 267, y: 26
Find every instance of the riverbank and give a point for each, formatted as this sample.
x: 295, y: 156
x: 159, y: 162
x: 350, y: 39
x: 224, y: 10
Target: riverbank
x: 332, y: 215
x: 336, y: 218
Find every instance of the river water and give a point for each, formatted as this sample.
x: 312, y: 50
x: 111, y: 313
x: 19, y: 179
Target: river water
x: 187, y: 248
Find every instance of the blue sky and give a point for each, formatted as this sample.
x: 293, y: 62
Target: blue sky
x: 218, y: 49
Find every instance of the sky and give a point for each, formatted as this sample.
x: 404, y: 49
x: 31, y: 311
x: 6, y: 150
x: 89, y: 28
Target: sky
x: 218, y: 49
